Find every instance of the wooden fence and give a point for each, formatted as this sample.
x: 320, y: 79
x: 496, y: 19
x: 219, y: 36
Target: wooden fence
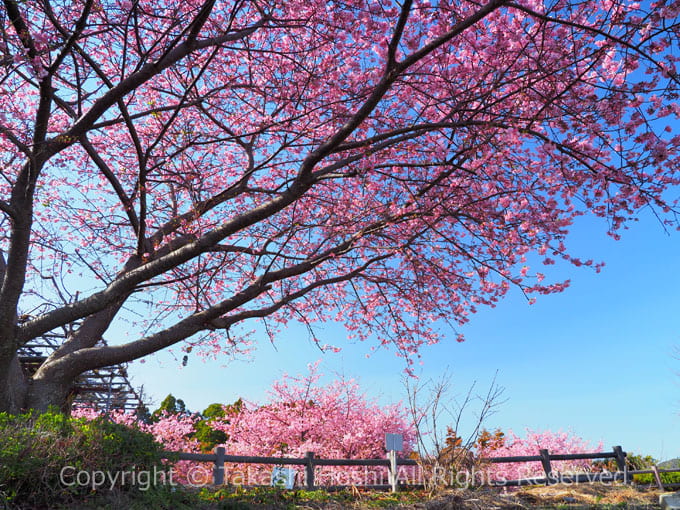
x: 310, y: 462
x: 551, y: 477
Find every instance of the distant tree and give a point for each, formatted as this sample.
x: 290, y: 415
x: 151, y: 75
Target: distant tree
x: 143, y: 414
x: 670, y: 464
x: 637, y: 462
x: 180, y: 168
x: 205, y: 434
x: 170, y: 405
x: 301, y: 415
x: 510, y: 445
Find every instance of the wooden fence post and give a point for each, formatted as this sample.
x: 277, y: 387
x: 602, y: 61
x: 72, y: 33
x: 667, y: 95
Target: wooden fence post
x: 309, y: 468
x: 545, y: 460
x: 657, y: 477
x: 218, y: 469
x: 621, y: 462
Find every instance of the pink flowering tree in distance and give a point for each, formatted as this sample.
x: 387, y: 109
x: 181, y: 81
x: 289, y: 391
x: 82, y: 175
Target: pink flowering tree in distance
x: 334, y: 421
x: 182, y: 168
x: 512, y: 445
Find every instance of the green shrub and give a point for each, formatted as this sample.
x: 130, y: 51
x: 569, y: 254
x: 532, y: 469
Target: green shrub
x: 50, y: 459
x: 666, y: 478
x: 633, y: 463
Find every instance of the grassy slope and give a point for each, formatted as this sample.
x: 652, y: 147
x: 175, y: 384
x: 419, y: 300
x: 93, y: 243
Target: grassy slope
x: 561, y: 497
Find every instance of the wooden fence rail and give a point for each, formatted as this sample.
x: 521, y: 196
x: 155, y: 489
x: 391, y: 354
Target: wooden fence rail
x: 545, y: 458
x: 310, y: 462
x: 657, y: 476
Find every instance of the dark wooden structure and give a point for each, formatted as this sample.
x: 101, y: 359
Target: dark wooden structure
x: 104, y: 389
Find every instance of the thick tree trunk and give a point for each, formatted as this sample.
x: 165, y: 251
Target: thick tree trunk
x: 52, y: 383
x: 45, y: 393
x: 19, y: 393
x: 13, y: 387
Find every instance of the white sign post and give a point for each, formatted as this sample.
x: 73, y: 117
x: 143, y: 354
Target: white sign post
x: 393, y: 443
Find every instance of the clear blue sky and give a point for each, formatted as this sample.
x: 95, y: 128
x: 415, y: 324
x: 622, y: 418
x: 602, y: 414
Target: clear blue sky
x: 597, y: 359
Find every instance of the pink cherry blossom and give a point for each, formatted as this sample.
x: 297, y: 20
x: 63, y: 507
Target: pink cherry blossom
x: 529, y: 445
x: 187, y: 169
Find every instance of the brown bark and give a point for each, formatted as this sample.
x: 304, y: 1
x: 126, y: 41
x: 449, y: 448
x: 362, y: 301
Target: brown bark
x: 13, y: 387
x: 44, y: 393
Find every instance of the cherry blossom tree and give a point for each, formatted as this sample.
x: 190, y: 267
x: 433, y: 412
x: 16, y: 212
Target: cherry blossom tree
x: 512, y: 445
x: 184, y: 168
x: 334, y: 421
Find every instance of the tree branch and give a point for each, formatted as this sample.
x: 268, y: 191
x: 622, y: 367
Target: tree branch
x: 143, y: 75
x: 125, y: 201
x: 127, y: 282
x: 398, y: 33
x: 96, y: 357
x: 389, y: 77
x: 7, y: 209
x: 598, y: 31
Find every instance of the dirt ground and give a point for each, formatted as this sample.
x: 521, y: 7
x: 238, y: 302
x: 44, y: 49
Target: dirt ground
x: 563, y: 495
